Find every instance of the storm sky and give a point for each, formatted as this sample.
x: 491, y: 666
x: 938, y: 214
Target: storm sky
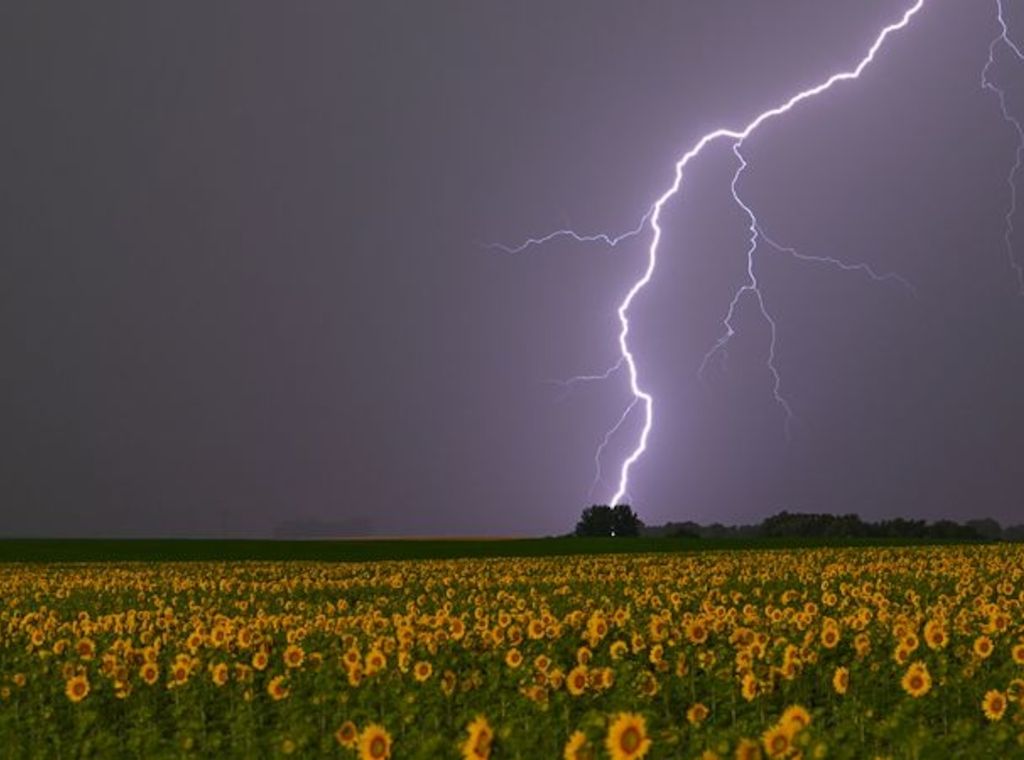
x: 244, y: 276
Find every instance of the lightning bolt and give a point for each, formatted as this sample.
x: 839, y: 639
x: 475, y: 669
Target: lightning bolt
x: 568, y: 383
x: 598, y: 477
x: 1003, y: 38
x: 841, y: 265
x: 753, y: 287
x: 609, y: 240
x: 652, y: 218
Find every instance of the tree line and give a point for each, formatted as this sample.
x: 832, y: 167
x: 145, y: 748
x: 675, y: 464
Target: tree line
x: 622, y: 521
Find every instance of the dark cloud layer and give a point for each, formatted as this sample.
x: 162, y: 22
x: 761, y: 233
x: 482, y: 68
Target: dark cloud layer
x: 243, y: 282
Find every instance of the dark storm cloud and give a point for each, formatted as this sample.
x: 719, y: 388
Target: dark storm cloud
x: 243, y: 284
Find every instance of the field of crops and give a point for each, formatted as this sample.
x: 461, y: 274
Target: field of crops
x: 812, y: 653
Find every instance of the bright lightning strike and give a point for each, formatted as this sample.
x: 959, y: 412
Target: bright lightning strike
x: 653, y: 218
x: 1003, y: 38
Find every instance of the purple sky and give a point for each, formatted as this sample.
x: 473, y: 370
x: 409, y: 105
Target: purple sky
x: 244, y: 281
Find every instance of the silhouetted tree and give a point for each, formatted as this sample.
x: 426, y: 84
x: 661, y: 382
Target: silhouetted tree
x: 1013, y: 533
x: 625, y: 521
x: 987, y: 528
x: 602, y: 520
x: 595, y: 521
x: 950, y: 529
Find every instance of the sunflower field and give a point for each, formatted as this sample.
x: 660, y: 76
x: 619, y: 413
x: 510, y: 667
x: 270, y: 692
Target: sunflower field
x: 809, y: 653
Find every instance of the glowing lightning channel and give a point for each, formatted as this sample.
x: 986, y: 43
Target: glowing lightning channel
x: 751, y: 286
x: 840, y: 264
x: 568, y: 383
x: 1004, y: 37
x: 609, y: 240
x: 653, y: 217
x: 737, y: 136
x: 598, y: 477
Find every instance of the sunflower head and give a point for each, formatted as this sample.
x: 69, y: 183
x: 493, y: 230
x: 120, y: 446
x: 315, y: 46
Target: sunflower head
x: 994, y: 705
x: 627, y: 737
x: 374, y: 743
x: 347, y: 735
x: 479, y: 737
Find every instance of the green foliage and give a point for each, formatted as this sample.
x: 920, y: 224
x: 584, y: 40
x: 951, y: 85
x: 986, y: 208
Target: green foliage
x: 601, y: 520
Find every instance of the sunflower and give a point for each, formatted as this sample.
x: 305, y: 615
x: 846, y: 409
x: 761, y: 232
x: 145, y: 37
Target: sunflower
x: 649, y: 686
x: 347, y: 735
x: 260, y: 660
x: 374, y: 743
x: 841, y: 680
x: 85, y: 648
x: 935, y: 634
x: 513, y: 658
x: 278, y: 688
x: 627, y: 737
x: 748, y: 687
x: 982, y: 647
x: 219, y: 673
x: 478, y: 742
x: 994, y: 705
x: 351, y: 658
x: 795, y: 719
x: 294, y: 655
x: 777, y: 741
x: 602, y: 679
x: 422, y: 670
x: 576, y: 681
x: 1018, y: 653
x: 697, y: 713
x: 375, y: 662
x: 696, y: 633
x: 77, y: 687
x: 748, y: 749
x: 448, y: 683
x: 354, y: 676
x: 862, y: 643
x: 1015, y: 691
x: 578, y: 748
x: 681, y: 667
x: 179, y: 673
x: 830, y: 637
x: 149, y: 673
x: 244, y: 638
x: 917, y: 681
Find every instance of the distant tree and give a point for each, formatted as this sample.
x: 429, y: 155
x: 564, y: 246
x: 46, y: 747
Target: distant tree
x: 681, y: 530
x: 625, y: 521
x: 602, y: 520
x: 827, y: 526
x: 1013, y: 533
x: 595, y: 521
x: 987, y: 528
x: 902, y: 528
x: 950, y: 529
